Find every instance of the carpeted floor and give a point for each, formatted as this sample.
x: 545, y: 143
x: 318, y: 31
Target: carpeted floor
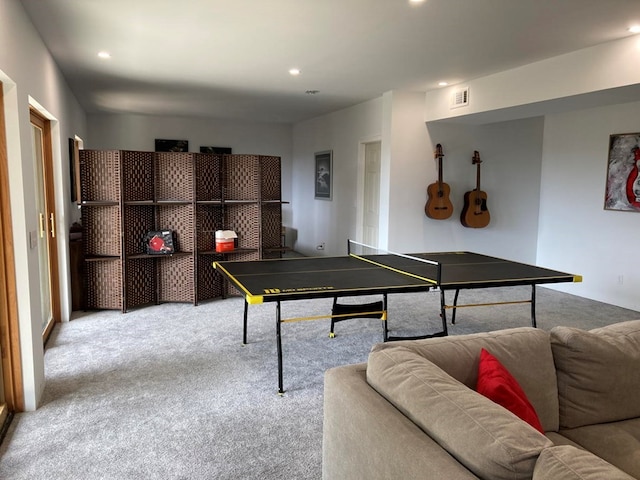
x: 169, y: 392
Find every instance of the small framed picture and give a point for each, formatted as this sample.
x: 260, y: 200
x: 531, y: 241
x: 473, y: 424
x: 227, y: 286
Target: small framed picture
x: 164, y: 145
x: 324, y: 174
x: 216, y: 150
x: 623, y: 173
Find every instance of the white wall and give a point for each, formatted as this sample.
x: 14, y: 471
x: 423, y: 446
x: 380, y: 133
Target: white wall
x: 595, y: 76
x: 321, y: 221
x: 28, y: 72
x: 138, y: 132
x: 576, y: 233
x: 406, y: 154
x: 511, y: 166
x: 511, y: 154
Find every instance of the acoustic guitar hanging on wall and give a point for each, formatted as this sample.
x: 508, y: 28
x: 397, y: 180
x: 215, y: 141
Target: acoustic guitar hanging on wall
x: 438, y: 204
x: 475, y: 213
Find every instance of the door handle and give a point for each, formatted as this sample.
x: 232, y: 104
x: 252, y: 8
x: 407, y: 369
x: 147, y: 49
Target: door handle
x: 42, y: 225
x: 52, y: 220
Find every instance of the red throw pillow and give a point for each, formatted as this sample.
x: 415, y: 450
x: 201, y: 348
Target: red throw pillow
x: 497, y: 384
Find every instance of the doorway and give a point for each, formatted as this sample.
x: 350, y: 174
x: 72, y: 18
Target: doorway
x: 45, y: 204
x: 371, y: 193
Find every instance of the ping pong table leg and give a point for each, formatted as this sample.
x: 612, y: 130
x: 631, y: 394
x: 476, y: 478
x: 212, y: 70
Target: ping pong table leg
x: 443, y: 313
x: 455, y: 304
x: 385, y: 330
x: 244, y: 322
x: 279, y: 343
x: 533, y: 306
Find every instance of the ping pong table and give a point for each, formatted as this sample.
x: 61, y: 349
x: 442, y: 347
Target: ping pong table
x: 279, y: 280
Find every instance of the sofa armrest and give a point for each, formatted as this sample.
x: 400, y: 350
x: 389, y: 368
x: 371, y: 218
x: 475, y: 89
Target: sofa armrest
x: 366, y: 437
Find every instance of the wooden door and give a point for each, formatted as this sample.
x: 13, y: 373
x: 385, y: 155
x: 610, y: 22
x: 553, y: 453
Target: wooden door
x: 371, y: 218
x: 45, y: 199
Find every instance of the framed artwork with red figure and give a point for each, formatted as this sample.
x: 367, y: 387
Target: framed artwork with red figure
x: 623, y: 173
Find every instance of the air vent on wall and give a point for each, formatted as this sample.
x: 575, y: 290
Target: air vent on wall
x: 460, y: 97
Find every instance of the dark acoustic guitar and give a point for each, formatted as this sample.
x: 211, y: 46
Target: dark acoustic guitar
x: 475, y: 213
x: 438, y: 204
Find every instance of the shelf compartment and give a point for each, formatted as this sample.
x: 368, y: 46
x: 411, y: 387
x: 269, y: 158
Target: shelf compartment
x: 210, y: 282
x: 174, y: 176
x: 208, y: 177
x: 102, y: 231
x: 137, y: 171
x: 270, y: 182
x: 100, y: 171
x: 271, y: 225
x: 241, y: 174
x: 209, y: 218
x: 243, y: 219
x: 140, y: 282
x: 176, y: 279
x: 180, y: 219
x: 139, y: 219
x: 104, y: 284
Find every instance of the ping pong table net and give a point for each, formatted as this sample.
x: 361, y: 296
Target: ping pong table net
x: 417, y: 267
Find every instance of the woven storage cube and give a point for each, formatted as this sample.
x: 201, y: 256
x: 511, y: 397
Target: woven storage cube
x: 104, y: 284
x: 210, y: 282
x: 208, y: 176
x: 180, y: 219
x: 138, y: 220
x: 176, y: 279
x: 243, y: 219
x: 102, y: 230
x: 140, y: 281
x: 174, y: 176
x: 208, y: 220
x: 100, y: 174
x: 270, y: 179
x: 137, y: 174
x: 241, y: 177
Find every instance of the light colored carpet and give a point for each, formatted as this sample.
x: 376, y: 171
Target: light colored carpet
x: 169, y: 391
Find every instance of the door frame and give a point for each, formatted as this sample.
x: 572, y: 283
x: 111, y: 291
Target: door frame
x: 9, y: 320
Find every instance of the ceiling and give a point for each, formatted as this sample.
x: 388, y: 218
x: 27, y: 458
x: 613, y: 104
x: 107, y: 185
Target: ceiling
x: 230, y: 58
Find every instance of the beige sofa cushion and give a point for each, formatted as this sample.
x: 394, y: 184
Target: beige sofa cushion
x: 525, y: 352
x: 571, y: 463
x: 598, y: 373
x: 483, y: 436
x: 618, y: 443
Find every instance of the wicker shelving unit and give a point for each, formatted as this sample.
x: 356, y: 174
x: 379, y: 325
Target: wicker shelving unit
x: 126, y: 194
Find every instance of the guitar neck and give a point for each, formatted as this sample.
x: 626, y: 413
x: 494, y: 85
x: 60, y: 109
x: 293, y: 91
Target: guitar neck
x: 440, y: 172
x: 478, y: 177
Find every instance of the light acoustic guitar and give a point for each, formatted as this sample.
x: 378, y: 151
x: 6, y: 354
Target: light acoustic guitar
x: 475, y: 213
x: 438, y: 204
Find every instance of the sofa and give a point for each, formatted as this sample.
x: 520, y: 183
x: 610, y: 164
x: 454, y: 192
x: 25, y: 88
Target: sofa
x: 413, y: 412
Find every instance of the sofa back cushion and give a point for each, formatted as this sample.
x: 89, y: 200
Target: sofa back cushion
x: 483, y: 436
x: 525, y: 352
x: 598, y: 373
x: 497, y: 384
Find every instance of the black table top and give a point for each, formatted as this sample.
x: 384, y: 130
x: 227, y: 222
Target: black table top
x: 320, y: 277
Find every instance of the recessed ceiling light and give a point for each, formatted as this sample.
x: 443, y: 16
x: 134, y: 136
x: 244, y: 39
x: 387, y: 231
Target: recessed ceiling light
x: 443, y: 84
x: 416, y: 1
x: 104, y: 55
x: 294, y: 71
x: 634, y: 29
